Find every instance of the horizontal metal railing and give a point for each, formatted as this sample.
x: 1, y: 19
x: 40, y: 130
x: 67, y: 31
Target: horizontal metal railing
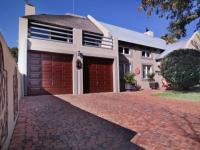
x: 50, y: 32
x: 97, y: 40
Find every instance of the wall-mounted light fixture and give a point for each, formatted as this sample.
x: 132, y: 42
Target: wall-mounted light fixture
x: 80, y: 54
x: 79, y: 64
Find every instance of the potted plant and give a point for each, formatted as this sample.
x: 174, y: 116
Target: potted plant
x: 130, y: 82
x: 152, y: 83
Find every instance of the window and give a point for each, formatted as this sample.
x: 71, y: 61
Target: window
x: 146, y: 54
x: 50, y: 32
x: 123, y: 50
x: 124, y: 69
x: 146, y: 69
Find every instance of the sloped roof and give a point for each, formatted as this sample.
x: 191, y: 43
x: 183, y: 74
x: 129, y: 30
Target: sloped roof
x: 172, y: 47
x: 68, y: 20
x: 130, y: 36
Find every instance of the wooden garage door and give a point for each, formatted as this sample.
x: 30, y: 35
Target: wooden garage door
x: 97, y: 75
x: 49, y: 73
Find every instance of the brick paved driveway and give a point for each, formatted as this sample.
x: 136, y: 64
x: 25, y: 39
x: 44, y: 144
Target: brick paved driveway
x: 161, y: 124
x: 48, y: 123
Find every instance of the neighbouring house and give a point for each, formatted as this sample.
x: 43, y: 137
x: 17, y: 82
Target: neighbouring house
x: 71, y: 54
x: 191, y: 43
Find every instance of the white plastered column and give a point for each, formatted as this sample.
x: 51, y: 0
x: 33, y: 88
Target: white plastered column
x: 22, y: 56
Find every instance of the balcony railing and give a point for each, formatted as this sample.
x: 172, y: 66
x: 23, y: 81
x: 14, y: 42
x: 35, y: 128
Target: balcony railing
x: 97, y: 40
x: 50, y: 32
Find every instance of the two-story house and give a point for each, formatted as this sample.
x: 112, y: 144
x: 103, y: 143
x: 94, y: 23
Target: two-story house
x: 71, y: 54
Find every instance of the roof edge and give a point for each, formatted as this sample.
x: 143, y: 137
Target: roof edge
x: 100, y: 26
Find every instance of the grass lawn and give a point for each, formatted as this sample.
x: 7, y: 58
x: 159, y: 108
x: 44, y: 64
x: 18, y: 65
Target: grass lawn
x: 190, y: 96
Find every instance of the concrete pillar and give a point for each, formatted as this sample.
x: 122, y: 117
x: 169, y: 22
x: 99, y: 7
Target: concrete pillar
x: 116, y: 80
x: 78, y: 44
x: 75, y: 77
x: 80, y: 77
x: 22, y: 56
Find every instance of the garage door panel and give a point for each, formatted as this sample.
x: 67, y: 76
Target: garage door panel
x: 46, y: 69
x: 35, y: 55
x: 34, y: 83
x: 97, y: 71
x: 35, y: 61
x: 49, y: 73
x: 47, y: 62
x: 35, y: 68
x: 35, y: 75
x: 93, y: 66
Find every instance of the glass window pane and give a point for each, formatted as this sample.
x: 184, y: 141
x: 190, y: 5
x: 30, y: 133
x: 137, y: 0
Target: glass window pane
x: 121, y: 71
x: 146, y: 69
x: 143, y: 53
x: 147, y: 54
x: 120, y: 50
x: 143, y: 72
x: 126, y: 50
x: 127, y: 68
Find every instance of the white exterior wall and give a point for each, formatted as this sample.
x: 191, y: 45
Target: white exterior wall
x: 136, y: 60
x: 26, y: 44
x: 22, y: 54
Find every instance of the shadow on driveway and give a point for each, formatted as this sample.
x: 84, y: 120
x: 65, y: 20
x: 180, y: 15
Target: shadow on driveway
x: 49, y: 123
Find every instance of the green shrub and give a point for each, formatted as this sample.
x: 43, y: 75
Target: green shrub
x: 181, y: 68
x: 130, y: 78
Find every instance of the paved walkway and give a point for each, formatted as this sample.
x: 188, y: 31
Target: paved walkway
x: 161, y: 124
x: 48, y: 123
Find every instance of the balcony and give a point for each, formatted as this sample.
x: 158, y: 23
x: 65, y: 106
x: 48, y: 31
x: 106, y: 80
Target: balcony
x: 50, y: 32
x: 38, y: 30
x: 97, y: 40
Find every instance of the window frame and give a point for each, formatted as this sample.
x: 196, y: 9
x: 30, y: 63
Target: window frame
x: 146, y: 54
x: 123, y: 50
x: 146, y: 71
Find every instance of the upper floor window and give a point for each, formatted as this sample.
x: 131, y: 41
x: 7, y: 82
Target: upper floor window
x: 124, y: 50
x: 44, y: 31
x: 146, y: 54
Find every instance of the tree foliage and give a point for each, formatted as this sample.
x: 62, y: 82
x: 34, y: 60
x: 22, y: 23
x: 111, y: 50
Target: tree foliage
x: 14, y: 52
x: 180, y: 13
x: 181, y: 68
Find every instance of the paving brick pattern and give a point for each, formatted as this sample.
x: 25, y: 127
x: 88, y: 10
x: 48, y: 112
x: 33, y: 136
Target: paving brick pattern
x: 49, y: 123
x: 161, y: 124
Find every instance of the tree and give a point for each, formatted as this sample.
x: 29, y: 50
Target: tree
x: 14, y: 52
x: 181, y: 68
x: 180, y: 13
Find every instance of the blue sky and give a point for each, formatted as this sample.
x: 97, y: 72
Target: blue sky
x: 123, y: 13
